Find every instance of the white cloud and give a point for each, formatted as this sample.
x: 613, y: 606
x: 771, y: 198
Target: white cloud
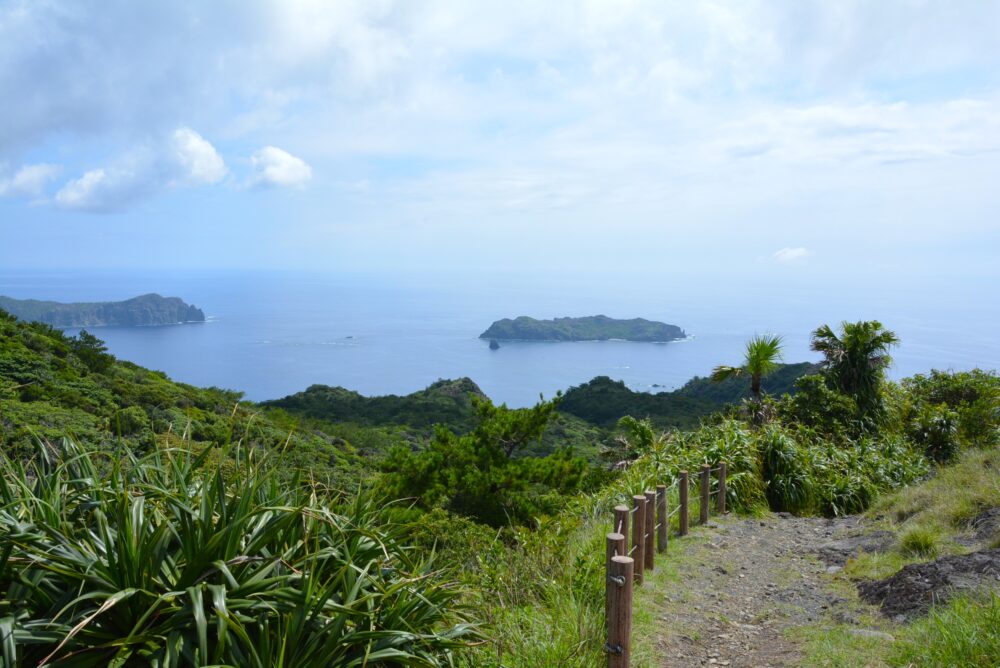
x: 790, y: 254
x: 29, y: 181
x: 104, y: 190
x: 198, y: 158
x: 183, y: 159
x: 275, y: 167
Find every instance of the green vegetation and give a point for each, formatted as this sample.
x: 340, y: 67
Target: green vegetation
x: 761, y: 359
x: 142, y: 311
x: 170, y: 560
x: 447, y: 402
x: 478, y: 474
x: 604, y: 401
x: 855, y: 362
x: 53, y: 385
x: 965, y: 632
x: 591, y: 328
x: 510, y: 502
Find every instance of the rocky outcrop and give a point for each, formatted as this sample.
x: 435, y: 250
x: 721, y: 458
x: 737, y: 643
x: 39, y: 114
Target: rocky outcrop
x: 913, y: 590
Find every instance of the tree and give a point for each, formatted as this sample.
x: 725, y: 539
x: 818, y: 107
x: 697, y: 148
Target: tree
x: 854, y: 363
x: 480, y: 474
x: 91, y: 351
x: 762, y: 355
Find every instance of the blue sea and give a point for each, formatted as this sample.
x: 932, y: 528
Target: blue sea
x: 272, y: 334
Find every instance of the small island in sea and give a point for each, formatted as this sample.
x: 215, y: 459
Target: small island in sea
x: 143, y: 311
x: 590, y: 328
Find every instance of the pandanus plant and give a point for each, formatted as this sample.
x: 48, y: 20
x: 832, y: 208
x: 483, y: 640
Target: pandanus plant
x: 169, y: 560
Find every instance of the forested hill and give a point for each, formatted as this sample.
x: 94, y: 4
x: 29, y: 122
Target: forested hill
x: 143, y: 311
x: 444, y: 402
x: 591, y: 328
x: 604, y: 401
x: 53, y: 386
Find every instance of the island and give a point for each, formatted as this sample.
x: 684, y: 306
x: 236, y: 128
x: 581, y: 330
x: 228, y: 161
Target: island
x: 590, y: 328
x: 143, y: 311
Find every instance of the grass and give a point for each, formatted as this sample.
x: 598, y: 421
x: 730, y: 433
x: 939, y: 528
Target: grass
x: 920, y: 542
x: 965, y: 633
x: 947, y: 503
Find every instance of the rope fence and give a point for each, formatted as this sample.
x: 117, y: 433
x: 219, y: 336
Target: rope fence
x: 650, y: 520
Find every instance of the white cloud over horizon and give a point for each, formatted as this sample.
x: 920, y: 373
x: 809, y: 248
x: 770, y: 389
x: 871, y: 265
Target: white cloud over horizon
x: 611, y: 128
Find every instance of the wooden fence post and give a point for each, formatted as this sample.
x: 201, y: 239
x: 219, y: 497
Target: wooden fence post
x: 621, y: 522
x: 720, y: 502
x: 638, y: 528
x: 706, y: 485
x: 650, y: 549
x: 661, y: 518
x: 615, y: 548
x: 683, y: 487
x: 620, y: 574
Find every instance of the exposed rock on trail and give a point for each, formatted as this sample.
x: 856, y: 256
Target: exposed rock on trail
x: 912, y: 590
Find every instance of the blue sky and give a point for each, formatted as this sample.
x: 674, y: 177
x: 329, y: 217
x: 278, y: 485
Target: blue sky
x: 785, y: 139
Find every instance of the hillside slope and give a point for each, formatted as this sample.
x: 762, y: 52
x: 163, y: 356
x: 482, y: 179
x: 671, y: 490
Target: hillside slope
x: 53, y: 385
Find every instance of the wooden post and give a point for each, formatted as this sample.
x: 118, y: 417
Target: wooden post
x: 650, y: 549
x: 720, y: 503
x: 620, y: 575
x: 661, y: 517
x: 683, y: 488
x: 706, y: 484
x: 621, y: 522
x: 615, y: 548
x: 638, y: 542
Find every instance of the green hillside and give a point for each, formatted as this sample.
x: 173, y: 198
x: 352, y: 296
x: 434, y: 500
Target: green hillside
x: 53, y: 386
x: 604, y: 401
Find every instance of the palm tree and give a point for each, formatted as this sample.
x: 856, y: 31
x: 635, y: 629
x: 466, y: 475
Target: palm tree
x: 762, y: 355
x: 855, y: 361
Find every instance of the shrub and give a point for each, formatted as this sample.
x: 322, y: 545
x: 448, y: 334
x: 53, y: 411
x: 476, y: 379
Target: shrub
x: 164, y: 561
x: 785, y: 470
x: 934, y: 428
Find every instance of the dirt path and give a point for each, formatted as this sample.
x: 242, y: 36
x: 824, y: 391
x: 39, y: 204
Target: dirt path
x: 732, y: 592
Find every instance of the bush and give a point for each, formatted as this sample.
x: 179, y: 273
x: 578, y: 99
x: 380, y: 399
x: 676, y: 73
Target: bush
x: 786, y: 471
x: 164, y: 561
x: 934, y: 428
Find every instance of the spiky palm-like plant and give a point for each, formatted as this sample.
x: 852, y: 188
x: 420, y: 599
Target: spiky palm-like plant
x: 763, y: 352
x: 855, y: 362
x: 167, y: 561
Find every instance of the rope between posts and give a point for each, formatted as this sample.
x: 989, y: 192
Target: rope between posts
x: 673, y: 512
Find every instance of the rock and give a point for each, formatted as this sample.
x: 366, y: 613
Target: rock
x: 494, y: 345
x: 915, y: 587
x: 872, y: 633
x: 834, y: 569
x: 837, y: 552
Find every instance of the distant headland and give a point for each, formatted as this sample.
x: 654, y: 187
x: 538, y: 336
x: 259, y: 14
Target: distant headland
x: 590, y: 328
x: 143, y: 311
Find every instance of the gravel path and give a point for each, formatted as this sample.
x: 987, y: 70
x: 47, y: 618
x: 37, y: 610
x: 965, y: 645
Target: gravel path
x: 741, y: 583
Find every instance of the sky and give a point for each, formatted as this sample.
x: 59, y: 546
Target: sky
x: 785, y: 139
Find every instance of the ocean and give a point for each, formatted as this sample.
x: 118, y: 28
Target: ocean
x: 273, y: 334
